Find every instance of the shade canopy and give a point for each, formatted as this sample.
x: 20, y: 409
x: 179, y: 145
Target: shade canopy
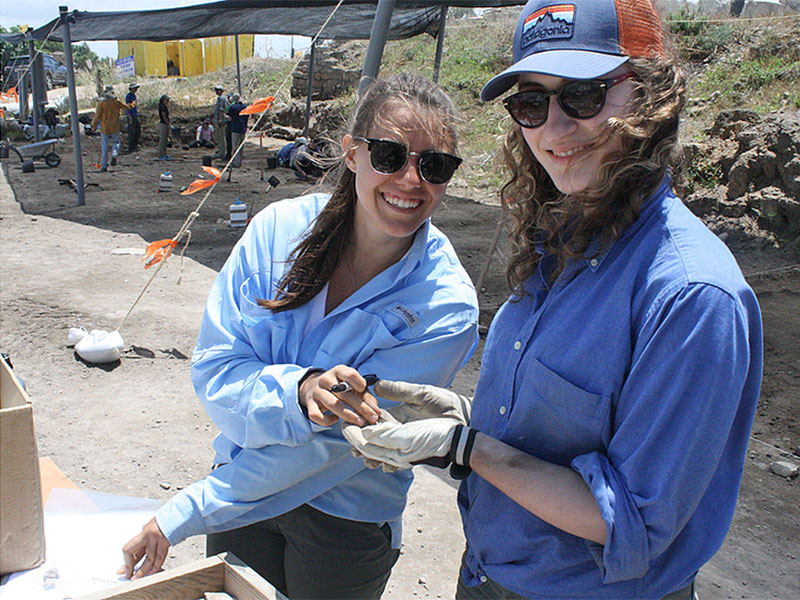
x: 353, y: 20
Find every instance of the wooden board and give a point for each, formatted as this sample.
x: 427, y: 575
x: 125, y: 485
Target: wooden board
x: 222, y: 573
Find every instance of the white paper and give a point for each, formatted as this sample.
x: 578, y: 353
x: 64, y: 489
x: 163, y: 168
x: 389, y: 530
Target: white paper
x: 84, y: 535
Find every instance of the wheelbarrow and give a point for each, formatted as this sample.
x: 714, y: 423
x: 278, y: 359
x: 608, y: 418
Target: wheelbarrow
x: 30, y: 152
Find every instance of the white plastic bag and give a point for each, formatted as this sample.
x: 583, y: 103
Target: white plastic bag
x: 97, y: 347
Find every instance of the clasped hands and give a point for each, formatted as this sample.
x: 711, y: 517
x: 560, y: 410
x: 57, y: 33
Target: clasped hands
x: 429, y: 426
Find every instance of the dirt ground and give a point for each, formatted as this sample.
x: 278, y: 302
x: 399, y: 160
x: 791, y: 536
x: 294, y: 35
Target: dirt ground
x: 135, y: 427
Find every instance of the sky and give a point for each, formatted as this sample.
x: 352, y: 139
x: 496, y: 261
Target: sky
x: 36, y: 13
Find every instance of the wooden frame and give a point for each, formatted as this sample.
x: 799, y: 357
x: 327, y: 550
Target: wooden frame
x: 221, y: 573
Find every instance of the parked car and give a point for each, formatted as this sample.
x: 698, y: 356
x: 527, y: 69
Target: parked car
x: 55, y: 74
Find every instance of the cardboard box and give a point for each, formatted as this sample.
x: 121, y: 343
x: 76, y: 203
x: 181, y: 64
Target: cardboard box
x: 21, y: 515
x: 221, y: 573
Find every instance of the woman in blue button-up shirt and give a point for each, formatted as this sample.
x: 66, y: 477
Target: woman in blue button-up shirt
x: 320, y: 290
x: 618, y: 385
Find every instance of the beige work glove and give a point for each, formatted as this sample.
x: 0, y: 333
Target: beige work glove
x: 423, y: 401
x: 434, y: 441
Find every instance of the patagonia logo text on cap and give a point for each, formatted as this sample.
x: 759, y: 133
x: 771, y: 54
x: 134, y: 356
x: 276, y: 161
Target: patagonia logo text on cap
x: 553, y: 22
x: 405, y: 313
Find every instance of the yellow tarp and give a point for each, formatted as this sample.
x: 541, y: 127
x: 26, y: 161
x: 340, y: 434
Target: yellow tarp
x: 185, y: 57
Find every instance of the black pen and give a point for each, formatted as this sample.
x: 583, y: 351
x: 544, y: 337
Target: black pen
x: 344, y: 386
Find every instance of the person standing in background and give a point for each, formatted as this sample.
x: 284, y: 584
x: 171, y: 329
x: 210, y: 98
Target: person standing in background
x: 163, y: 127
x: 238, y: 124
x: 107, y: 117
x: 228, y: 133
x: 219, y: 118
x: 134, y: 127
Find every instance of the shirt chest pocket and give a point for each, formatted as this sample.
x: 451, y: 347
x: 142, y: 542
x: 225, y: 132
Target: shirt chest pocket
x: 268, y: 333
x: 358, y: 335
x: 555, y: 419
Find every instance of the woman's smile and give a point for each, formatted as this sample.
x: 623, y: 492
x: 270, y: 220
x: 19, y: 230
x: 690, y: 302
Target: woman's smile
x: 400, y: 202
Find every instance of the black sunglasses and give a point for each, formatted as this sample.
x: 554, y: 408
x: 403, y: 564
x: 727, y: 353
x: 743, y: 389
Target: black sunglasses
x: 579, y: 99
x: 388, y: 157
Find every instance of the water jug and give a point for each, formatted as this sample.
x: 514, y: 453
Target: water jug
x: 238, y: 214
x: 165, y: 183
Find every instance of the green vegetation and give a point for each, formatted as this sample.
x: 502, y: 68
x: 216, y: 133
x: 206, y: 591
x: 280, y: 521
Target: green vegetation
x: 763, y: 84
x: 696, y: 37
x: 702, y: 172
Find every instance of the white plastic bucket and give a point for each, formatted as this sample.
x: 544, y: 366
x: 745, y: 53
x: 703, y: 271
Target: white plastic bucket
x: 238, y: 214
x: 165, y: 182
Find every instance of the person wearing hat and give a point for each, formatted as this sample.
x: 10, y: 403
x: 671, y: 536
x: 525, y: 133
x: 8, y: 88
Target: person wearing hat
x: 164, y: 123
x: 608, y: 432
x: 238, y: 123
x: 134, y: 127
x: 106, y: 118
x: 204, y: 136
x: 220, y: 117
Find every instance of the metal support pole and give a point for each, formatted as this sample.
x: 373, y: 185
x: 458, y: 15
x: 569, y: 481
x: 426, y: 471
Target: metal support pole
x: 377, y: 40
x: 238, y: 69
x: 23, y: 93
x: 73, y: 105
x: 311, y: 60
x: 37, y: 102
x: 437, y: 62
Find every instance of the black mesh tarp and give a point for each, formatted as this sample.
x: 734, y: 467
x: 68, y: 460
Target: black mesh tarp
x: 353, y: 20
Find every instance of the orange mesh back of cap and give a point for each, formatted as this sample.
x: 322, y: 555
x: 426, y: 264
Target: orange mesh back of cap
x: 640, y: 31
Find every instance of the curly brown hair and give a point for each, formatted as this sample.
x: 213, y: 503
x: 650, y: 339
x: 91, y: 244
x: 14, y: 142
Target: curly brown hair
x: 315, y: 259
x: 566, y: 226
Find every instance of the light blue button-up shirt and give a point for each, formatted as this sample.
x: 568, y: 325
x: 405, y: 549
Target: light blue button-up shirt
x: 416, y: 321
x: 641, y: 370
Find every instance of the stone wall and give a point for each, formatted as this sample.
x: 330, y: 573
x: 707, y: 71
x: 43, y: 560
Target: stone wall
x: 330, y: 78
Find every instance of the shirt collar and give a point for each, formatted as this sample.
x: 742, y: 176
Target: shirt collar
x: 595, y: 256
x: 416, y: 253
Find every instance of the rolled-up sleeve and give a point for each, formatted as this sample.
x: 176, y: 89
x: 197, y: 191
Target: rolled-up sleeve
x: 676, y: 441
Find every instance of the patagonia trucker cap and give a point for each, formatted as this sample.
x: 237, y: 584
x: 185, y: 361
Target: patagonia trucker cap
x: 582, y: 39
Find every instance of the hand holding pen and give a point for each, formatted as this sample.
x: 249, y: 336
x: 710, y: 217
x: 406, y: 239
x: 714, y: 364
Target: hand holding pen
x: 344, y: 386
x: 339, y: 393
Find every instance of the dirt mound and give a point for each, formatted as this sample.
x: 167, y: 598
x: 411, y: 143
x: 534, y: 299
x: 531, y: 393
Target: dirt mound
x: 757, y: 160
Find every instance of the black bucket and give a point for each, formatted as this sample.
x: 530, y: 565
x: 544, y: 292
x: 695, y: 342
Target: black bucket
x: 272, y: 162
x: 207, y: 160
x: 3, y: 151
x: 27, y: 166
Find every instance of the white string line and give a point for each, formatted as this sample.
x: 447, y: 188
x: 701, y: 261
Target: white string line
x: 196, y: 212
x: 778, y: 450
x: 775, y: 270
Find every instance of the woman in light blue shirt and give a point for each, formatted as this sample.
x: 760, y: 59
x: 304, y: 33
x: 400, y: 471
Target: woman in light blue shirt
x: 320, y: 290
x: 618, y: 384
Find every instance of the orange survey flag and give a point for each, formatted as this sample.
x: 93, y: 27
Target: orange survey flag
x: 201, y: 184
x: 158, y: 251
x: 258, y: 106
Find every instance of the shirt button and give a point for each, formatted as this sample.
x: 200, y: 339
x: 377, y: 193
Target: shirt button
x: 517, y: 345
x: 594, y: 262
x: 502, y: 410
x: 484, y: 578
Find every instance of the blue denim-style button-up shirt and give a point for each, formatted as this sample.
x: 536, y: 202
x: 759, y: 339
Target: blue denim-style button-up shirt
x: 415, y: 321
x: 640, y: 368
